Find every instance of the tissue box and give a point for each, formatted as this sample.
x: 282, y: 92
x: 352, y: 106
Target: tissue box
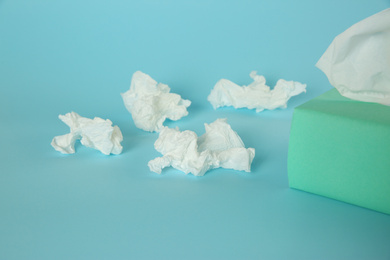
x: 340, y: 148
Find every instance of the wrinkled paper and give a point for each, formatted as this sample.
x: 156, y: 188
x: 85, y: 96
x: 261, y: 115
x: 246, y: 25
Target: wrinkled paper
x: 256, y: 95
x: 220, y: 146
x: 96, y: 133
x: 150, y: 103
x: 357, y: 63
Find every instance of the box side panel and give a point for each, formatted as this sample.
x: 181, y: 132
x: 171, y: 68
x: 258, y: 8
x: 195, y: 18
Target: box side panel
x: 341, y: 158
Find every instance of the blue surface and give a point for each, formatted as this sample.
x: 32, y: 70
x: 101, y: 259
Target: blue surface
x: 62, y: 56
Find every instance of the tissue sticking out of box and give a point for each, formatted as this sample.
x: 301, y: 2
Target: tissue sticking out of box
x: 96, y: 133
x: 357, y: 62
x: 150, y: 103
x: 256, y: 95
x: 220, y: 146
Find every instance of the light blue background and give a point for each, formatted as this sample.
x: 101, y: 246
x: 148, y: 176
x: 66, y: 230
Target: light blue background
x: 62, y: 56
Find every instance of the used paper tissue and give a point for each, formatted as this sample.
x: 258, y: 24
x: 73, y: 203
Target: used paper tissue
x: 150, y: 103
x: 256, y: 95
x: 220, y: 146
x: 96, y: 133
x: 357, y: 63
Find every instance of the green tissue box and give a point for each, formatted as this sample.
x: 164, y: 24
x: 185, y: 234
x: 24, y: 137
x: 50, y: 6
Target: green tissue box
x: 340, y: 148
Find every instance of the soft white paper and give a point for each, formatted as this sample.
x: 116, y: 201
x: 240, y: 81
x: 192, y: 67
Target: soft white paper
x: 96, y: 133
x: 150, y: 103
x: 357, y: 63
x: 220, y: 146
x: 256, y: 95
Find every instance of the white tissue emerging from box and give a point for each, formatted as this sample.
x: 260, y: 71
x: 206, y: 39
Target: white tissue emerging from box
x: 357, y: 63
x: 150, y: 103
x: 256, y: 95
x: 96, y: 133
x: 220, y: 146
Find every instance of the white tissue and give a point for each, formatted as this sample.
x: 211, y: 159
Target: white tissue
x: 150, y: 103
x: 96, y: 133
x: 257, y: 95
x: 220, y: 146
x: 357, y: 63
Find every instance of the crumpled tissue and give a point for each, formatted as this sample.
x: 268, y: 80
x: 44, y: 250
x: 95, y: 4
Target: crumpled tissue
x: 150, y: 103
x: 256, y: 95
x: 357, y: 63
x: 96, y: 133
x: 220, y: 146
